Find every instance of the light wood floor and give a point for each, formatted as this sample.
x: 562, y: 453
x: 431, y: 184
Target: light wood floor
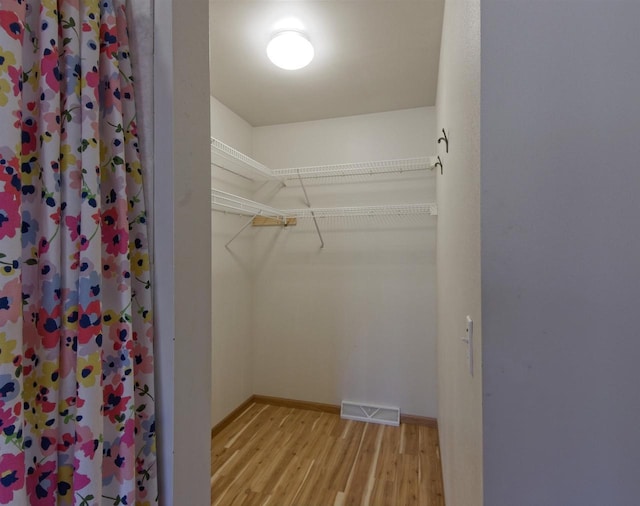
x: 280, y: 456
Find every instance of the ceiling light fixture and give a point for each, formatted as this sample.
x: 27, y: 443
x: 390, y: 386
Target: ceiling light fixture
x: 290, y: 50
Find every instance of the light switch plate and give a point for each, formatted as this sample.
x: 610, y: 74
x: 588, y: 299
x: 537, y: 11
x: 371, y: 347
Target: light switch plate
x: 468, y: 339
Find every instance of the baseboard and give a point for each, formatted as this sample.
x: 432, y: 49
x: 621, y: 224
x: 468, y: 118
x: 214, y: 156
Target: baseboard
x: 419, y: 420
x: 331, y: 408
x: 232, y: 416
x: 292, y: 403
x: 312, y: 406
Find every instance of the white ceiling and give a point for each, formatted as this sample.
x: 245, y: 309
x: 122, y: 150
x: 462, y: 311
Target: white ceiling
x: 370, y: 56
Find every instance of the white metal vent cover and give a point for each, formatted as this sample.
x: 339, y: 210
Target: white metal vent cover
x: 386, y: 415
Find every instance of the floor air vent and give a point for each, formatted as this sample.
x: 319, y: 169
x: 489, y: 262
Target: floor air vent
x: 370, y: 413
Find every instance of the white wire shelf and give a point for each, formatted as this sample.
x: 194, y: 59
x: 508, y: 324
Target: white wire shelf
x: 358, y: 169
x: 230, y: 159
x: 227, y: 201
x: 380, y: 210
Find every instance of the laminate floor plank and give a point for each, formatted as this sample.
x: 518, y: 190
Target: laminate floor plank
x: 348, y: 448
x: 358, y: 480
x: 411, y: 441
x: 283, y: 456
x: 324, y: 449
x: 387, y: 468
x: 407, y: 490
x: 252, y: 437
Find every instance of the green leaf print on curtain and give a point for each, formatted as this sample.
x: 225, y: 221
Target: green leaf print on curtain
x: 77, y: 416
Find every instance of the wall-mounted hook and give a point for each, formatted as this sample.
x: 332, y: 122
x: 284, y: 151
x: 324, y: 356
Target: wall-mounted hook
x: 445, y: 139
x: 439, y: 164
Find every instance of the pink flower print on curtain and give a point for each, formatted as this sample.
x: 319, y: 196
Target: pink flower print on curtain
x: 77, y: 416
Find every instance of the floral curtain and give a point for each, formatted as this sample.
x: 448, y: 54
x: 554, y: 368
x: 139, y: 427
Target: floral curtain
x: 77, y: 419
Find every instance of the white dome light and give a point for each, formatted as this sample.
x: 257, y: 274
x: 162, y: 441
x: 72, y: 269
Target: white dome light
x: 290, y: 50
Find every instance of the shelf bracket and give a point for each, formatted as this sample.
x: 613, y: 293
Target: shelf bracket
x: 240, y: 231
x: 313, y: 215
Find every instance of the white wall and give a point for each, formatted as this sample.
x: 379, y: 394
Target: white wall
x: 458, y: 258
x: 561, y: 252
x: 182, y: 252
x: 232, y: 282
x: 396, y: 134
x: 228, y: 127
x: 355, y: 320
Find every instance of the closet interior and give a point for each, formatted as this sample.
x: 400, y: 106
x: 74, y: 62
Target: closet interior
x: 324, y: 276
